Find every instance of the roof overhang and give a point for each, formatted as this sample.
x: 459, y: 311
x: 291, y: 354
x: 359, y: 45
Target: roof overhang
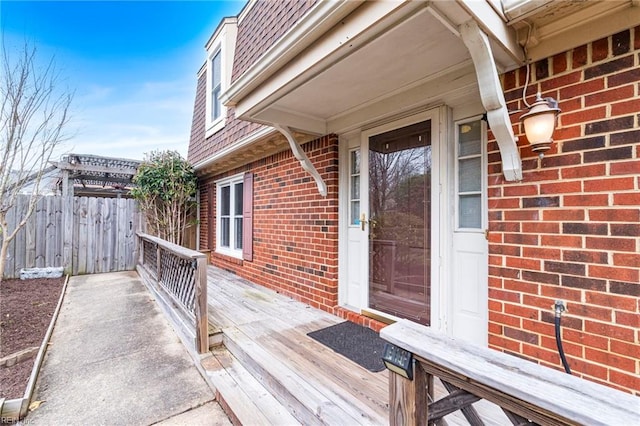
x: 344, y: 56
x: 347, y: 65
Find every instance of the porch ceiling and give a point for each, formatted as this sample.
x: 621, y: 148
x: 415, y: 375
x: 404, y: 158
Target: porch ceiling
x: 360, y: 66
x: 407, y: 55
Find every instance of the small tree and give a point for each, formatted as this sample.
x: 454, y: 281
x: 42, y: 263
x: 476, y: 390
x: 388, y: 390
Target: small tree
x: 33, y: 117
x: 165, y: 189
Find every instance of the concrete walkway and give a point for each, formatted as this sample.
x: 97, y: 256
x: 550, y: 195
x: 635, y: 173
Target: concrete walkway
x: 114, y: 359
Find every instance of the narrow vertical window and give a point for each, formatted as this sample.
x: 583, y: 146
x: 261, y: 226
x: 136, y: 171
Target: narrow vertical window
x: 216, y: 86
x: 469, y: 165
x: 354, y: 187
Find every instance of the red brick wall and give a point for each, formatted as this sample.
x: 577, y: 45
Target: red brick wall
x: 571, y: 229
x: 295, y: 237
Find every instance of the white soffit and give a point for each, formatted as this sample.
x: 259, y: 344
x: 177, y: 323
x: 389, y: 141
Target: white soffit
x: 408, y: 54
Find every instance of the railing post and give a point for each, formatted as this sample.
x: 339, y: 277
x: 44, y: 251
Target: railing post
x: 141, y: 251
x: 408, y: 398
x: 202, y: 321
x: 158, y: 263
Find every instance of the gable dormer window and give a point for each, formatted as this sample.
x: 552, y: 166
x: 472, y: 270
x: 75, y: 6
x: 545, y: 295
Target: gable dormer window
x: 220, y: 51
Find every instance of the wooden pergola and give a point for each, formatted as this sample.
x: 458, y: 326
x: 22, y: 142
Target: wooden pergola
x: 96, y: 176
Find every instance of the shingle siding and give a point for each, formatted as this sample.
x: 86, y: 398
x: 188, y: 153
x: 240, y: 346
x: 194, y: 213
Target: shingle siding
x: 200, y: 147
x: 196, y: 142
x: 265, y: 23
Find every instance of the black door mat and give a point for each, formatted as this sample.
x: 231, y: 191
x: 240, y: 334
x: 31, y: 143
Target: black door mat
x: 360, y: 344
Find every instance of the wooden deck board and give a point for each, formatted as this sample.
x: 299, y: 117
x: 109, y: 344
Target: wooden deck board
x: 350, y: 386
x: 258, y: 322
x: 251, y: 403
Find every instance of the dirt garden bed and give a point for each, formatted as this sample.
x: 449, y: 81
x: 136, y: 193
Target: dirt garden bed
x: 26, y: 308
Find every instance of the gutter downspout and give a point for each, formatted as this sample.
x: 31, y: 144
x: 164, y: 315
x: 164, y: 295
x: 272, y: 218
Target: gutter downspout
x: 302, y: 157
x: 492, y: 98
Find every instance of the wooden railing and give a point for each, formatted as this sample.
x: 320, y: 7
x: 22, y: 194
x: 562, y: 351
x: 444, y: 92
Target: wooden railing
x: 528, y: 393
x: 182, y: 275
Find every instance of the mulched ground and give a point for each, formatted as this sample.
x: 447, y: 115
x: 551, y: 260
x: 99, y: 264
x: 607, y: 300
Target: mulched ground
x: 26, y: 308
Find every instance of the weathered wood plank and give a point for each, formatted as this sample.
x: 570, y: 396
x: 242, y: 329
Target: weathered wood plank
x: 10, y: 265
x: 250, y: 402
x: 30, y: 228
x: 50, y: 231
x: 408, y: 399
x: 59, y: 232
x: 358, y: 392
x: 40, y: 216
x: 469, y: 412
x: 98, y: 235
x: 310, y: 405
x: 179, y: 251
x: 132, y: 239
x: 83, y: 219
x: 522, y: 387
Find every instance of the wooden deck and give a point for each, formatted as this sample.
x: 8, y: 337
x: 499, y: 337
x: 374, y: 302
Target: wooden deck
x: 267, y: 333
x: 273, y: 373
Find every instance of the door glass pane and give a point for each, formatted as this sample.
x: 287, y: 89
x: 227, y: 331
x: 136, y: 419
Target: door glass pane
x: 469, y: 175
x: 355, y: 209
x: 399, y: 227
x: 469, y: 138
x: 470, y: 214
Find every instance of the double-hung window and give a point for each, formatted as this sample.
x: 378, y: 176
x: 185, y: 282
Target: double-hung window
x: 234, y: 222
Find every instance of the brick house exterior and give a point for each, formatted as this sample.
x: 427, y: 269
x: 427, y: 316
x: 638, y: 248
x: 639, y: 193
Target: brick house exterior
x: 568, y: 230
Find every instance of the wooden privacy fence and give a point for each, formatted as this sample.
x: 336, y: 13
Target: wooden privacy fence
x: 528, y: 393
x: 84, y: 235
x: 180, y: 274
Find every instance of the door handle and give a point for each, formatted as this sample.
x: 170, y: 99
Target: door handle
x: 363, y: 220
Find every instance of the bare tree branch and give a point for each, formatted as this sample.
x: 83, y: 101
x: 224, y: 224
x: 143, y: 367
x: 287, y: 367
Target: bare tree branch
x: 34, y: 115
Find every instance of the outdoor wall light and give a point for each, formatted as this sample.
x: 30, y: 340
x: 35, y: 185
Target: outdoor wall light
x: 398, y: 360
x: 540, y: 122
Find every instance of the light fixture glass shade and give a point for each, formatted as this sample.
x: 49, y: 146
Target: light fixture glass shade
x: 539, y: 128
x: 540, y: 122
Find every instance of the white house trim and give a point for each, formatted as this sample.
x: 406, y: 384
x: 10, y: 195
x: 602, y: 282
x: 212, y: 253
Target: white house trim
x: 235, y: 147
x: 312, y: 25
x: 300, y: 155
x: 492, y: 98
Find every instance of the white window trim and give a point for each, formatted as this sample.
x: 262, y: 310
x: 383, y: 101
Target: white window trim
x: 229, y: 181
x: 223, y: 41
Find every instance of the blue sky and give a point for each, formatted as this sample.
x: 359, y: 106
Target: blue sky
x: 132, y: 66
